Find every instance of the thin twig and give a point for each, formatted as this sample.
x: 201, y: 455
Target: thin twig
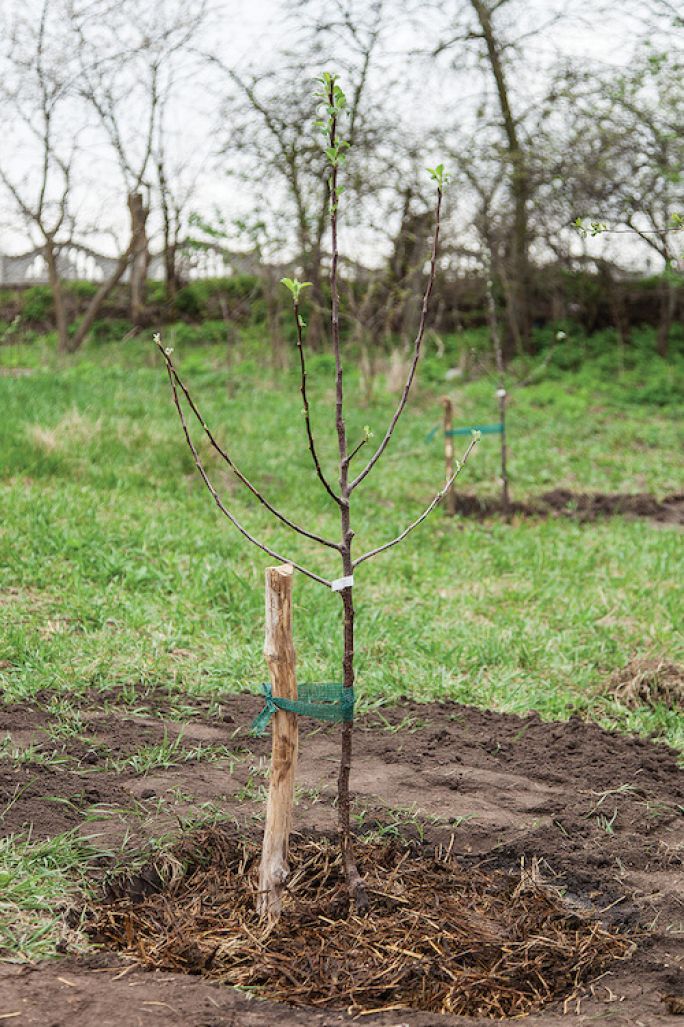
x: 416, y: 351
x: 307, y: 414
x: 440, y: 495
x: 217, y: 498
x: 356, y: 449
x: 234, y: 468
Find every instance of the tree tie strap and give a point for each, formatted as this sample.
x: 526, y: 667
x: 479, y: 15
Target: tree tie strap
x: 332, y: 702
x: 484, y: 429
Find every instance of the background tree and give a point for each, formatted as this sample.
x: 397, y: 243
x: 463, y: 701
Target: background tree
x: 625, y: 130
x: 125, y: 73
x: 268, y: 118
x: 39, y: 73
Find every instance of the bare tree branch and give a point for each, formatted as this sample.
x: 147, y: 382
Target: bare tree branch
x: 307, y: 414
x: 416, y: 350
x: 217, y: 499
x: 228, y: 459
x: 414, y: 524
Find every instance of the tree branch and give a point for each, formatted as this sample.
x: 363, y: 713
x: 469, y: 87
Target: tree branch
x: 217, y: 498
x: 440, y: 495
x: 228, y: 459
x: 307, y: 414
x: 356, y: 448
x: 416, y: 350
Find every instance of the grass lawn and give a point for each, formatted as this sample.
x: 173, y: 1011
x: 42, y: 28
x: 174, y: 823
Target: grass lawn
x: 113, y: 557
x: 117, y: 572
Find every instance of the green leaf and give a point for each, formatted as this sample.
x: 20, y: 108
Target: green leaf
x: 439, y: 175
x: 294, y: 286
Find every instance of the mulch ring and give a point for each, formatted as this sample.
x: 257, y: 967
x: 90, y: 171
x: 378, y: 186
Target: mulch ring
x: 581, y: 506
x: 648, y: 682
x: 437, y: 937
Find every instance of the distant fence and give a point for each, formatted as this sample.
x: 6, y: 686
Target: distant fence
x: 80, y: 263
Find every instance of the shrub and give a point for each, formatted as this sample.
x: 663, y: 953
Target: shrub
x: 202, y: 299
x: 37, y: 306
x: 110, y: 330
x: 80, y: 290
x: 209, y: 332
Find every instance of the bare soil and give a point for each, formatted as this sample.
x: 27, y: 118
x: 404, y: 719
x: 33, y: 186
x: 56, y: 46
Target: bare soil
x: 600, y: 814
x: 581, y: 506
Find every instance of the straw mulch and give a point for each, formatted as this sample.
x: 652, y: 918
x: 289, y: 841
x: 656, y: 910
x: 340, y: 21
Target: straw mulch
x: 648, y: 682
x: 437, y: 937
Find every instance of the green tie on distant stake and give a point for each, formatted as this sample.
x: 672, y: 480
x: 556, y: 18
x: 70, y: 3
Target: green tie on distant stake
x: 331, y: 702
x: 484, y: 429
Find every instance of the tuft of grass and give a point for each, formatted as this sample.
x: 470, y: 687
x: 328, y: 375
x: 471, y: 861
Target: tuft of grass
x: 35, y: 877
x: 171, y: 752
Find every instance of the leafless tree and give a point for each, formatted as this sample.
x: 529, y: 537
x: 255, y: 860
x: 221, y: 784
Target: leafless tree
x: 126, y: 59
x: 340, y: 493
x: 38, y: 87
x: 176, y: 179
x: 626, y: 132
x: 269, y: 120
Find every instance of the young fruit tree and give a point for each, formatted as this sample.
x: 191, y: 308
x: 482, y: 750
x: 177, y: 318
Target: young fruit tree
x: 282, y: 697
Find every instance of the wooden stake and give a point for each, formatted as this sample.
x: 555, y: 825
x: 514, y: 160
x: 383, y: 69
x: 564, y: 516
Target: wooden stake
x: 449, y: 454
x: 505, y: 497
x: 280, y: 656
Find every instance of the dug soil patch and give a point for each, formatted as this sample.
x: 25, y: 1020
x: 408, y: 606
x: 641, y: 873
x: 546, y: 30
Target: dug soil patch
x: 450, y: 802
x: 581, y: 506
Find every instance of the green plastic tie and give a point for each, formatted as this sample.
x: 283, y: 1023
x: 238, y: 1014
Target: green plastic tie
x: 484, y: 429
x: 331, y: 702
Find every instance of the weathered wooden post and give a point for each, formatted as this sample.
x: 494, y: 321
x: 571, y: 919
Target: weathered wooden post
x: 449, y: 454
x: 280, y: 655
x: 505, y: 497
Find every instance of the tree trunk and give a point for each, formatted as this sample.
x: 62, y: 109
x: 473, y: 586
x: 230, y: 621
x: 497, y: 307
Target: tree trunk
x: 170, y: 270
x: 93, y: 308
x: 520, y: 185
x: 57, y: 295
x: 668, y: 302
x: 140, y: 256
x: 280, y: 656
x: 355, y: 885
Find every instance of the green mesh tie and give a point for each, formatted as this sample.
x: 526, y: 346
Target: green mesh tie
x: 331, y: 702
x: 484, y: 429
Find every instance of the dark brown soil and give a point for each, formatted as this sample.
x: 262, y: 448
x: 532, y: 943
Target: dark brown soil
x: 601, y: 813
x: 581, y: 506
x: 50, y: 801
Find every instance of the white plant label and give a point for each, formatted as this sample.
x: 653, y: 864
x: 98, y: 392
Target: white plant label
x: 341, y: 583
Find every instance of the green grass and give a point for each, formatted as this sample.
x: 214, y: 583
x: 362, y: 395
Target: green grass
x: 34, y: 879
x: 118, y: 574
x: 116, y: 557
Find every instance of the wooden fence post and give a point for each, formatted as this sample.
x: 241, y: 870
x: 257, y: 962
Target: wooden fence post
x: 280, y: 656
x: 449, y: 454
